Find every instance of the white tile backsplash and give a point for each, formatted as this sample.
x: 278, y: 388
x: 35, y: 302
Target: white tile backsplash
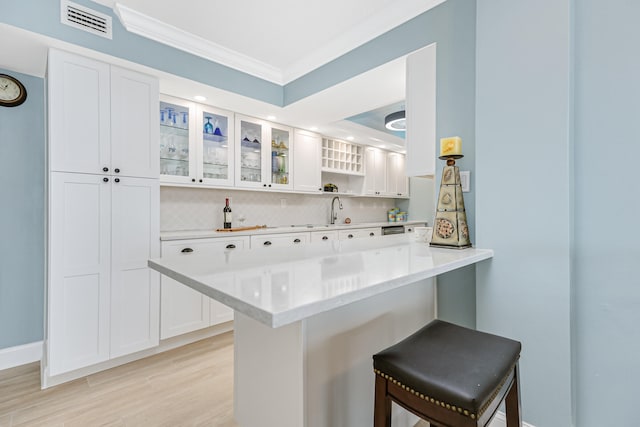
x: 201, y: 209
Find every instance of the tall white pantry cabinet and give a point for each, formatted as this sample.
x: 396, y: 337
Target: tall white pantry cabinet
x: 103, y: 213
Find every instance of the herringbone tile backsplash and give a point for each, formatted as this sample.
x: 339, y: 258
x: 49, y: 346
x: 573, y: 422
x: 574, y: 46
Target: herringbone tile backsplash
x: 201, y: 209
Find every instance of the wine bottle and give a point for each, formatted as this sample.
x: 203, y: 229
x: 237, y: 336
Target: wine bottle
x: 227, y: 214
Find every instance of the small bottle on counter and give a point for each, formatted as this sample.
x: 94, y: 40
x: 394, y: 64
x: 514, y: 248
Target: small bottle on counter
x: 226, y: 211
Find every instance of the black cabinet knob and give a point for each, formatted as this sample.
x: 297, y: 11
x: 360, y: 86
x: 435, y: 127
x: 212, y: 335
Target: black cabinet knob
x: 267, y: 243
x: 105, y: 179
x: 372, y: 234
x: 117, y: 180
x: 105, y: 169
x: 200, y: 180
x: 269, y: 185
x: 116, y: 170
x: 186, y: 250
x: 231, y: 246
x: 264, y: 185
x: 350, y: 236
x: 193, y: 180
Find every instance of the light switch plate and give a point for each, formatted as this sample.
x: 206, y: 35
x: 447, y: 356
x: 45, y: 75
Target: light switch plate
x: 465, y: 180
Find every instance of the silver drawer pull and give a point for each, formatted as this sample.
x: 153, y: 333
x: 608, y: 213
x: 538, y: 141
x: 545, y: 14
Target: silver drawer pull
x: 186, y: 250
x: 267, y: 243
x: 231, y: 246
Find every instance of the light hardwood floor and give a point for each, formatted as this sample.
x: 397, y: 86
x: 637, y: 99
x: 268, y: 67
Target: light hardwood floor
x: 188, y: 386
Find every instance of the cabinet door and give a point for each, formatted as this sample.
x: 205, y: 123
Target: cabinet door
x: 307, y: 172
x: 134, y: 124
x: 177, y: 144
x: 215, y: 146
x: 135, y: 288
x: 359, y: 233
x: 250, y: 148
x: 279, y: 240
x: 79, y: 114
x: 183, y: 309
x: 375, y: 180
x: 280, y: 157
x: 79, y: 271
x: 396, y: 175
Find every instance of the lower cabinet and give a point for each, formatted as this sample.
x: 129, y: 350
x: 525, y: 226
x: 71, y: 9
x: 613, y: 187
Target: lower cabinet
x: 279, y: 240
x: 359, y: 232
x: 103, y: 300
x: 183, y: 309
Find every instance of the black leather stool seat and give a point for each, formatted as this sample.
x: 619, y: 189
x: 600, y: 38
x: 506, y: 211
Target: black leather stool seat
x: 454, y: 367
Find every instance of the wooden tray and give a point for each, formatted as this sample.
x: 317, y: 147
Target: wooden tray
x: 255, y: 227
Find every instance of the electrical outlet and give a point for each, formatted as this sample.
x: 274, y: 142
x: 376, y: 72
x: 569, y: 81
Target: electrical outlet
x: 465, y: 180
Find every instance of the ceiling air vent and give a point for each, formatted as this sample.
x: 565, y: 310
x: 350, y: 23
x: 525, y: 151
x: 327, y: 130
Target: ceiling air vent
x: 85, y: 19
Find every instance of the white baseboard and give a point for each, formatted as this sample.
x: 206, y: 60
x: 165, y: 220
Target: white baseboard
x: 20, y: 355
x: 500, y: 421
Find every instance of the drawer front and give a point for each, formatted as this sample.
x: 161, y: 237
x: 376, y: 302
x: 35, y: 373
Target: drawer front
x: 210, y: 246
x: 279, y: 240
x: 411, y: 228
x: 324, y: 236
x: 359, y: 233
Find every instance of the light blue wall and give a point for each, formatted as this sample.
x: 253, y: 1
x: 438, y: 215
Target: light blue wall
x: 22, y: 167
x: 607, y: 205
x: 523, y: 206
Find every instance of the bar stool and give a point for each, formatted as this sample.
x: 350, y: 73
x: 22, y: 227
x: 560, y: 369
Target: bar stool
x: 449, y: 376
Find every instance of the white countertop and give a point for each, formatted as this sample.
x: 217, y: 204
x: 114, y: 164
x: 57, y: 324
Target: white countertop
x: 278, y: 286
x: 203, y: 234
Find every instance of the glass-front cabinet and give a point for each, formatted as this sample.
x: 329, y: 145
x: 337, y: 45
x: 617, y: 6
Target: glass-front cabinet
x: 264, y: 149
x: 215, y: 148
x: 195, y: 144
x: 177, y: 158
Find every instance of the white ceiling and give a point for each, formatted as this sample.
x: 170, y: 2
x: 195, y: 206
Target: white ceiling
x: 288, y: 36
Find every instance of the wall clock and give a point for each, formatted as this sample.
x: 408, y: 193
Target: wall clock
x: 12, y: 91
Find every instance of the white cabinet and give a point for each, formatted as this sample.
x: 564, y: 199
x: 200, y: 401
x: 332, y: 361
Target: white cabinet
x: 397, y: 181
x: 359, y: 233
x: 307, y: 174
x: 102, y: 118
x: 264, y: 154
x: 342, y: 157
x: 102, y: 299
x: 103, y: 212
x: 184, y: 309
x: 324, y: 236
x: 375, y: 179
x: 279, y: 240
x: 196, y: 144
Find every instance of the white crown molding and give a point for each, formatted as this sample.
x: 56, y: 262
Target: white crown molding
x: 371, y: 28
x: 169, y: 35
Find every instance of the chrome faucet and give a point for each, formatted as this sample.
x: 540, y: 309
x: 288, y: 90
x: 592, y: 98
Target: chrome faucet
x: 334, y: 214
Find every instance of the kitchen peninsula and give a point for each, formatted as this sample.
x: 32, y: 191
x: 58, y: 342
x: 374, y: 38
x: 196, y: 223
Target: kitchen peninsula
x: 307, y: 320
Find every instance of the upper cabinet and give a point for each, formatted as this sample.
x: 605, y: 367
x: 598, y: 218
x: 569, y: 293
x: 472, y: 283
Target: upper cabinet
x: 264, y: 154
x: 101, y: 118
x: 397, y: 181
x: 306, y: 162
x: 375, y: 180
x: 342, y: 157
x: 195, y: 144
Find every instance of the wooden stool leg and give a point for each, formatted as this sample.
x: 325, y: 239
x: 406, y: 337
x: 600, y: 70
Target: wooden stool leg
x: 382, y: 405
x: 512, y: 402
